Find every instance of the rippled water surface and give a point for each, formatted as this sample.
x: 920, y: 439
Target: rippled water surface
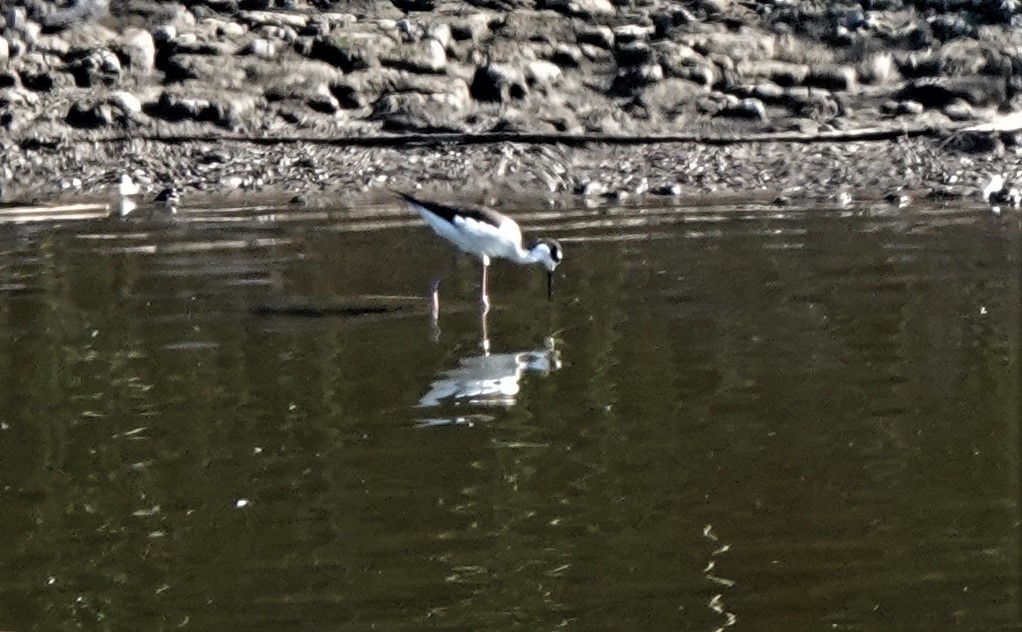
x: 729, y: 417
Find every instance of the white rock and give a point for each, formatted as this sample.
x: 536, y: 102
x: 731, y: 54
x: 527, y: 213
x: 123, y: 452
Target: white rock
x: 140, y: 48
x: 543, y: 72
x: 127, y: 102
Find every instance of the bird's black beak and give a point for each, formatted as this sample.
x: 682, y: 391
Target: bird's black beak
x: 549, y: 286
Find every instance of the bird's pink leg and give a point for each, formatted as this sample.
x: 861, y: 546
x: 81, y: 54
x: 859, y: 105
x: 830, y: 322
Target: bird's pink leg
x: 485, y: 296
x: 485, y: 342
x: 434, y: 296
x: 434, y: 290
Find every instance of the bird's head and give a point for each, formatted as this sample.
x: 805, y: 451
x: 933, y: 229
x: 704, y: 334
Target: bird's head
x: 548, y: 252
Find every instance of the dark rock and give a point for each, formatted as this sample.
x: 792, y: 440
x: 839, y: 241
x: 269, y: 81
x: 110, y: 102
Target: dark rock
x: 164, y: 34
x: 916, y: 66
x: 843, y: 78
x: 497, y: 83
x: 599, y: 36
x: 567, y: 56
x: 633, y: 53
x: 415, y: 5
x: 291, y: 116
x: 323, y: 102
x: 174, y: 107
x: 8, y: 79
x: 748, y: 108
x: 977, y: 142
x: 38, y: 80
x: 16, y: 47
x: 349, y: 51
x: 673, y: 189
x: 630, y: 80
x: 94, y: 68
x: 714, y: 7
x: 348, y: 96
x: 950, y: 26
x: 89, y: 115
x: 939, y: 92
x: 177, y: 69
x: 630, y: 33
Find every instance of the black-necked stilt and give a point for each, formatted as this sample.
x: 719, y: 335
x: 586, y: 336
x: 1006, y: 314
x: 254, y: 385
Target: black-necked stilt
x: 487, y: 234
x: 170, y: 199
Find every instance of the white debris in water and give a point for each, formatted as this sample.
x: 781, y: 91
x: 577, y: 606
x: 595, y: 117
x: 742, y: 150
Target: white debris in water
x: 127, y: 187
x: 993, y: 187
x: 241, y: 503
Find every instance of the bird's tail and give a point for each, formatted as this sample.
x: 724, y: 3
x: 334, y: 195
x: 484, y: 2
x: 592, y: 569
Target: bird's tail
x: 405, y: 196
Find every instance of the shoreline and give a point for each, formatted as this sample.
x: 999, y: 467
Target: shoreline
x: 316, y: 173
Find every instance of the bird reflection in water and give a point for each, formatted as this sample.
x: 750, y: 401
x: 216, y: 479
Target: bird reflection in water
x: 487, y: 381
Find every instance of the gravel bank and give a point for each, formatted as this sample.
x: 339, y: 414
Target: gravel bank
x: 339, y: 101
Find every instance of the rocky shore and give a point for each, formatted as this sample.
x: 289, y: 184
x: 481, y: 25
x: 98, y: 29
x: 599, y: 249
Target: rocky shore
x: 320, y: 100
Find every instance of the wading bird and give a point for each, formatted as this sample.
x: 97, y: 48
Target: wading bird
x: 487, y: 234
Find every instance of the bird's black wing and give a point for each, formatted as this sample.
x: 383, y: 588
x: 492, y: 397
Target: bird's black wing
x: 449, y: 211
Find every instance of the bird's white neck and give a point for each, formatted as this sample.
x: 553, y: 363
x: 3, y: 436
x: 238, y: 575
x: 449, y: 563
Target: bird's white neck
x: 525, y: 255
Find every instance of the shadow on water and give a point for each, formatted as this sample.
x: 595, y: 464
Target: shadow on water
x: 241, y: 417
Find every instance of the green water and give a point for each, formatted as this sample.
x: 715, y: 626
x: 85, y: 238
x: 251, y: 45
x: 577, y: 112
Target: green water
x: 242, y: 419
